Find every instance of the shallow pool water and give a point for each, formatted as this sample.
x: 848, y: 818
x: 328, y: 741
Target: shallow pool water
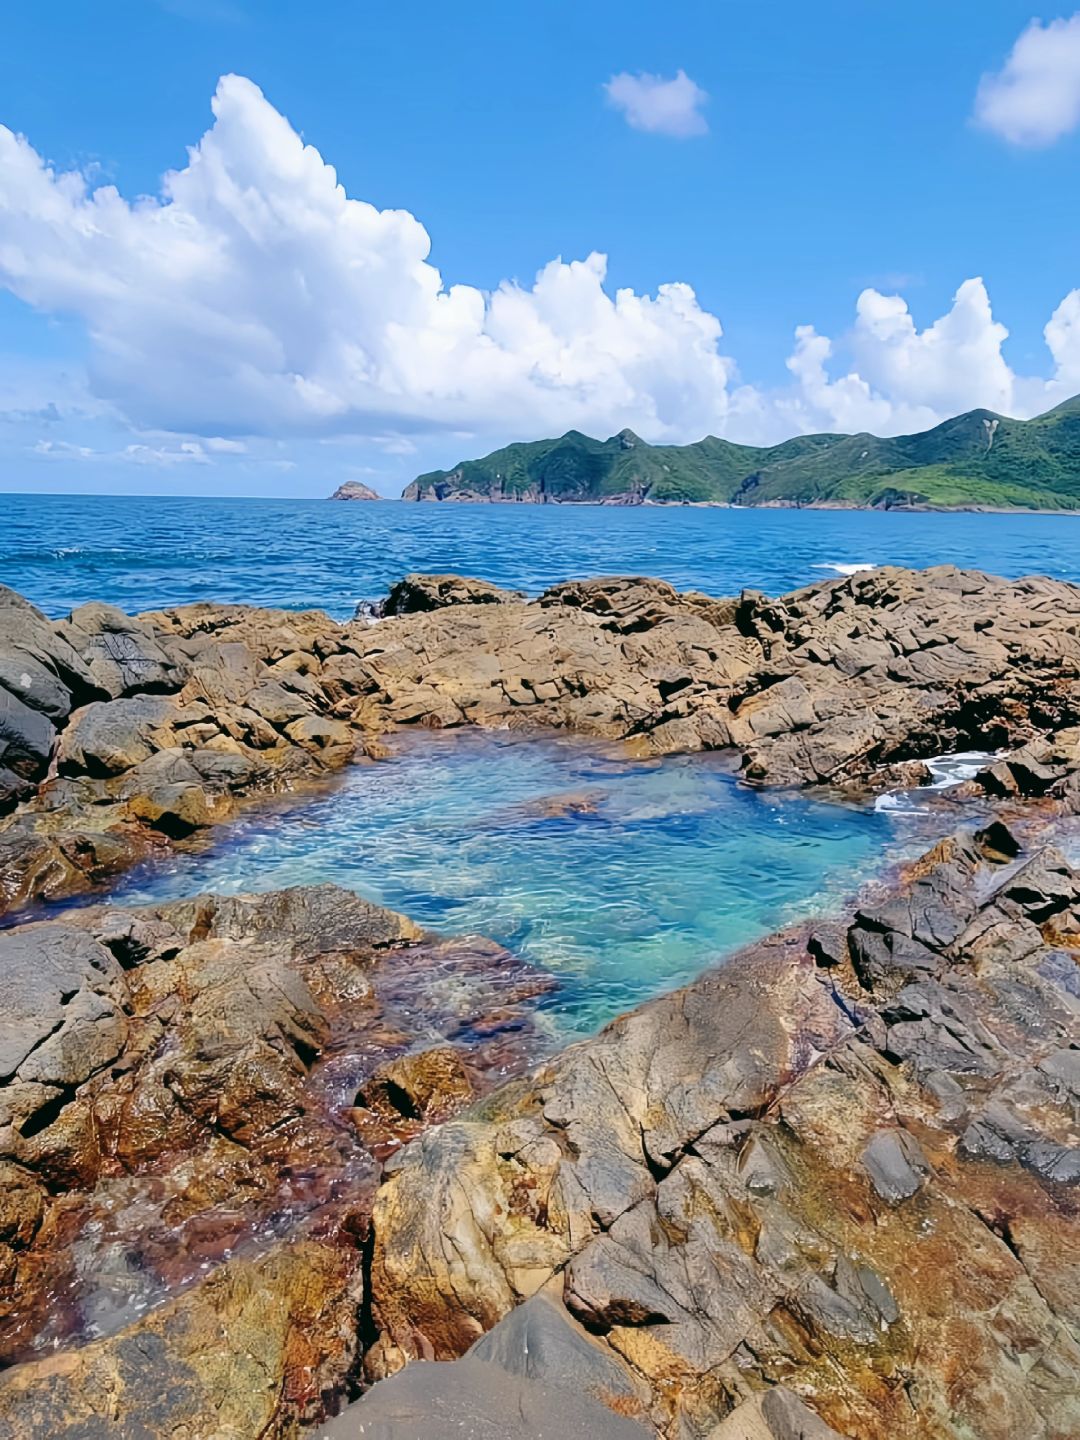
x: 622, y: 878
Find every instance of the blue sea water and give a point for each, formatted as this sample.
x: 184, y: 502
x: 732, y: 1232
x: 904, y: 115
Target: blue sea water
x: 141, y: 553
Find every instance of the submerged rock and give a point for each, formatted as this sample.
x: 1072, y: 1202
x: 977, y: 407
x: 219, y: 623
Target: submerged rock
x: 248, y: 1353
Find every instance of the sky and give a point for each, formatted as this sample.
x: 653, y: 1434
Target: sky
x: 250, y: 247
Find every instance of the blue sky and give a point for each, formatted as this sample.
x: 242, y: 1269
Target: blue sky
x: 832, y: 149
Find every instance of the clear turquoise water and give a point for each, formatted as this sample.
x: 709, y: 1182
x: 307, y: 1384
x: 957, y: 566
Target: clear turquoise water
x: 622, y: 878
x: 142, y: 553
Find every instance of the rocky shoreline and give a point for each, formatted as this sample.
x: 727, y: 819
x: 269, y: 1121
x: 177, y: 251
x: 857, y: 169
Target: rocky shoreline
x: 827, y: 1189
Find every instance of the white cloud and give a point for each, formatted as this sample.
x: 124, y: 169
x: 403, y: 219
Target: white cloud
x: 1063, y: 340
x: 255, y: 296
x: 188, y: 452
x: 663, y: 107
x: 1035, y: 98
x: 256, y: 302
x: 905, y: 379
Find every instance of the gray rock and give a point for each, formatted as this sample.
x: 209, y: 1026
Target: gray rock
x: 775, y: 1415
x: 540, y: 1341
x: 122, y: 654
x: 474, y: 1400
x: 895, y: 1164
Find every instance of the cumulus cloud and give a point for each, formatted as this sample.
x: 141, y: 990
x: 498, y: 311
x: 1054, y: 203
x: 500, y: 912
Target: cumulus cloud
x: 663, y: 107
x: 256, y: 295
x: 905, y: 379
x: 255, y: 300
x: 1063, y: 341
x: 1035, y: 98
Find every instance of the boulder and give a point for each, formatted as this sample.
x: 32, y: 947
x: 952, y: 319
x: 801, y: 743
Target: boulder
x: 123, y: 654
x: 422, y: 593
x: 478, y: 1401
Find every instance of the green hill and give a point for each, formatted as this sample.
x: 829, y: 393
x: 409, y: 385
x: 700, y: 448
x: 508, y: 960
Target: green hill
x: 975, y: 461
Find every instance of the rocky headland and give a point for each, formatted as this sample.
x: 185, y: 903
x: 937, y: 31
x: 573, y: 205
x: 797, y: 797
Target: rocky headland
x: 261, y: 1155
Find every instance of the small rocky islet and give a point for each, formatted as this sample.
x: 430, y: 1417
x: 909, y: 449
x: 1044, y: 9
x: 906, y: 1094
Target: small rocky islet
x: 260, y: 1158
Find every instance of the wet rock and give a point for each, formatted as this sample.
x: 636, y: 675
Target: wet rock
x: 289, y: 1325
x: 425, y: 1085
x: 788, y: 1180
x: 175, y: 1082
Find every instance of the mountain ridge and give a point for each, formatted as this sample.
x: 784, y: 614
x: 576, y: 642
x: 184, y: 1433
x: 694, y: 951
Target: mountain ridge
x: 974, y: 461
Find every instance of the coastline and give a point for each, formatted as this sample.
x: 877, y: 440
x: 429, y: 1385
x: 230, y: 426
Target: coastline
x: 816, y: 1094
x: 625, y: 502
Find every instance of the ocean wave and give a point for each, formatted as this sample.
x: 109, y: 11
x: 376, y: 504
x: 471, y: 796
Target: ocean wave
x: 844, y: 567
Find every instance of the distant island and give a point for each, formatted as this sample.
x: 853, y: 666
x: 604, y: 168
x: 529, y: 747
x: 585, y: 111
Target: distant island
x: 354, y: 490
x: 977, y: 461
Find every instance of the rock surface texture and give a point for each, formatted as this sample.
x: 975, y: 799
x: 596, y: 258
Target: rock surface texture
x: 148, y: 730
x: 847, y: 1167
x: 179, y: 1083
x: 829, y: 1190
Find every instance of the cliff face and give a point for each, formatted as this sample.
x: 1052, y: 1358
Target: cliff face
x: 976, y: 461
x: 354, y: 490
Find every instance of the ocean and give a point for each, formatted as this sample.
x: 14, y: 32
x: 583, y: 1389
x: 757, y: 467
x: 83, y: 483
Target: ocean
x: 146, y: 552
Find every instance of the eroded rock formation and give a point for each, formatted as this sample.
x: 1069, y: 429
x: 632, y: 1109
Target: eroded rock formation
x: 191, y: 1079
x: 828, y: 1190
x: 847, y: 1166
x: 151, y: 729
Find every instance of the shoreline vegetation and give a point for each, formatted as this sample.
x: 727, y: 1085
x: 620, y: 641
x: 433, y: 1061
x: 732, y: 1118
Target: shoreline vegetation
x: 976, y: 462
x: 829, y: 1188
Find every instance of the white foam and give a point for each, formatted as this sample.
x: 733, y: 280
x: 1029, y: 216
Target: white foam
x: 946, y: 770
x: 950, y: 770
x: 844, y: 567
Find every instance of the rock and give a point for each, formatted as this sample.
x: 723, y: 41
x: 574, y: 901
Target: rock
x: 895, y: 1165
x: 354, y: 490
x: 26, y: 737
x: 833, y: 684
x: 122, y: 654
x: 843, y: 683
x: 541, y: 1341
x: 478, y: 1402
x: 428, y: 1085
x: 775, y: 1415
x: 791, y: 1179
x: 289, y: 1325
x: 421, y: 593
x: 109, y: 737
x: 174, y: 1082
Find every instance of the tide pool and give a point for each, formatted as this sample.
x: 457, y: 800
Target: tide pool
x: 621, y: 878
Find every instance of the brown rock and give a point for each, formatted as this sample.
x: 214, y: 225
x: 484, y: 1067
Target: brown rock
x: 783, y: 1182
x: 289, y: 1323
